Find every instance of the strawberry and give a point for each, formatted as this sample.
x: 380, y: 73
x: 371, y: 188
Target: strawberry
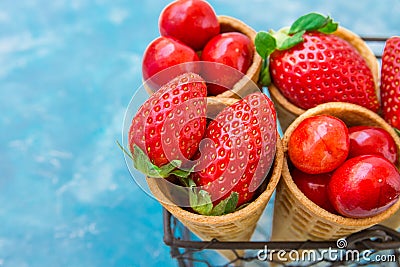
x: 390, y: 82
x: 167, y: 128
x: 311, y: 66
x: 237, y: 153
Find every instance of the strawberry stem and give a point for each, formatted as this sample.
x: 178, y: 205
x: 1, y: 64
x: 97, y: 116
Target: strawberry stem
x: 124, y: 150
x: 265, y: 76
x: 142, y: 163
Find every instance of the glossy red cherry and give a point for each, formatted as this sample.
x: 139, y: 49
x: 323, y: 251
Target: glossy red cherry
x: 193, y: 22
x: 164, y: 52
x: 233, y: 49
x: 319, y: 144
x: 314, y: 187
x: 372, y: 140
x: 364, y: 186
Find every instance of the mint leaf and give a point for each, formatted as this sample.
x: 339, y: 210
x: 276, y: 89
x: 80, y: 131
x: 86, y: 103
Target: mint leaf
x: 200, y: 201
x: 291, y: 41
x: 265, y: 44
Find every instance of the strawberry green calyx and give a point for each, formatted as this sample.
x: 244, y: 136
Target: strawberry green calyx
x: 397, y: 131
x: 314, y: 22
x: 267, y: 42
x: 226, y: 206
x: 142, y: 163
x: 201, y: 202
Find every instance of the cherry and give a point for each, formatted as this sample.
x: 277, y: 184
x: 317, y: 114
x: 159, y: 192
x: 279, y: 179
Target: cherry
x: 233, y: 49
x: 314, y: 187
x: 372, y: 140
x: 164, y: 52
x: 319, y: 144
x: 193, y: 22
x: 364, y: 186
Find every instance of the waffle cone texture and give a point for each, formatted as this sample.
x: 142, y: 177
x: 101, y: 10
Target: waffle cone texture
x: 296, y: 218
x: 287, y: 111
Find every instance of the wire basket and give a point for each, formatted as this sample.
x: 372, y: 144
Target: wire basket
x: 374, y: 246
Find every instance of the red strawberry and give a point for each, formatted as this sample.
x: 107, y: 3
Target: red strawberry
x: 390, y: 82
x: 239, y: 149
x: 310, y: 66
x: 324, y: 68
x: 170, y: 124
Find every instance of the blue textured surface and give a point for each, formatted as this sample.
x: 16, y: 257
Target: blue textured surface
x: 67, y: 72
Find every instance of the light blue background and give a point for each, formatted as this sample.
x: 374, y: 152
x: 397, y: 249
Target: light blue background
x: 68, y: 69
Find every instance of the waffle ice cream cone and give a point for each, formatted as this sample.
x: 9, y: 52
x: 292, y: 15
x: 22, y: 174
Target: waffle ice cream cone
x: 288, y: 112
x: 244, y: 86
x: 236, y: 226
x: 296, y: 218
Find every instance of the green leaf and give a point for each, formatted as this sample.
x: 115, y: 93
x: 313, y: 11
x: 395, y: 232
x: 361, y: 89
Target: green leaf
x: 183, y: 173
x: 218, y: 209
x: 191, y: 183
x: 330, y: 27
x: 397, y: 131
x: 232, y: 202
x: 312, y: 22
x: 142, y: 163
x: 166, y: 169
x: 187, y: 182
x: 265, y: 44
x: 124, y: 150
x: 226, y: 206
x: 291, y: 40
x: 285, y: 41
x: 200, y: 201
